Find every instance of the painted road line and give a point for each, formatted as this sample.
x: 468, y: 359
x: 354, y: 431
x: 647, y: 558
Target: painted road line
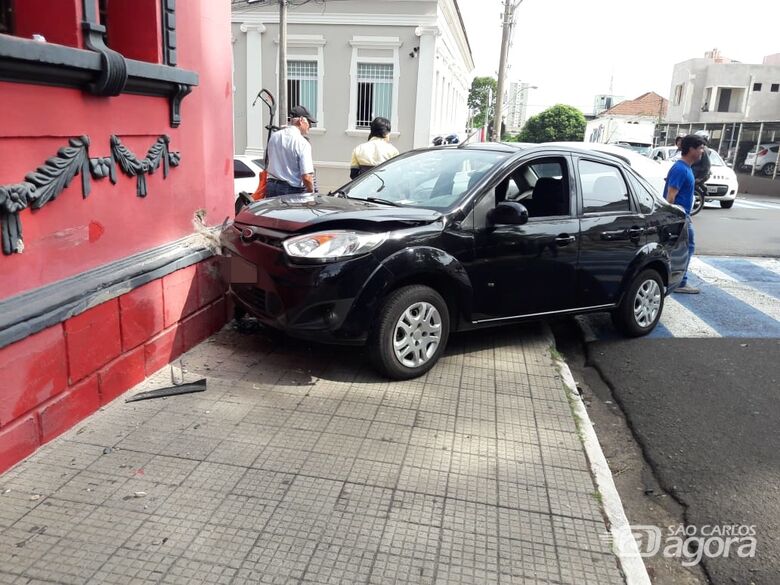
x: 757, y: 205
x: 727, y: 315
x: 746, y: 293
x: 762, y: 275
x: 680, y: 321
x: 771, y: 264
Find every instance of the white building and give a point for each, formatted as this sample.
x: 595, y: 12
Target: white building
x: 347, y: 62
x: 717, y: 90
x: 605, y: 101
x: 517, y: 105
x: 629, y: 122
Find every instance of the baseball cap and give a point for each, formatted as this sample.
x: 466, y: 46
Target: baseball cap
x: 301, y: 112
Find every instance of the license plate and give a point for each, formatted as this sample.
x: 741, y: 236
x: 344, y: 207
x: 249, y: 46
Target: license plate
x: 711, y: 189
x: 242, y: 271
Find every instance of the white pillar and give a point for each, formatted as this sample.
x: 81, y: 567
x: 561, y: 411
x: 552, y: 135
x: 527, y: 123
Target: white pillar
x: 254, y: 83
x: 425, y: 76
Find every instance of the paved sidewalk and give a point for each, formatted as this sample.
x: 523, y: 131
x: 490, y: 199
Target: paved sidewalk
x: 299, y: 465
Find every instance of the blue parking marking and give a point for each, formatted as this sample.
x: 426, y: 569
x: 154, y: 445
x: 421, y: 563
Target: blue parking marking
x: 660, y: 332
x: 724, y: 314
x: 756, y: 276
x: 727, y: 315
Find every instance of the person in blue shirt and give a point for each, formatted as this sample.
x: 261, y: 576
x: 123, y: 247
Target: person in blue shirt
x: 679, y: 191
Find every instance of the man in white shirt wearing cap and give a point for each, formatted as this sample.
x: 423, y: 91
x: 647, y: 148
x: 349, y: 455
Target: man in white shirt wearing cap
x: 290, y: 164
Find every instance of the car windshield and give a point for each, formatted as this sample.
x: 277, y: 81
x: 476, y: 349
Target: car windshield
x: 435, y: 179
x: 715, y: 159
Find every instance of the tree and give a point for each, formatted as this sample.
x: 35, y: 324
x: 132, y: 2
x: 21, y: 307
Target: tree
x: 478, y: 98
x: 558, y: 123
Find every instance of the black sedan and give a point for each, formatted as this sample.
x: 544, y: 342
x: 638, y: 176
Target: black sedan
x: 458, y: 238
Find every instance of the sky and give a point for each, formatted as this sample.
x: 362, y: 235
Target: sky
x: 571, y: 49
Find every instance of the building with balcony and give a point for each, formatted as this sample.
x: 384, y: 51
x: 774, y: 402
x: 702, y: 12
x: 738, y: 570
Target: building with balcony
x: 717, y: 90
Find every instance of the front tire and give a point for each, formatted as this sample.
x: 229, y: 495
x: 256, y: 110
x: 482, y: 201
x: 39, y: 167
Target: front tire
x: 411, y: 333
x: 642, y: 305
x: 698, y: 201
x: 727, y: 204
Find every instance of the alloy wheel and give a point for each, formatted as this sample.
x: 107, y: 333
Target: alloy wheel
x: 417, y: 334
x: 647, y: 303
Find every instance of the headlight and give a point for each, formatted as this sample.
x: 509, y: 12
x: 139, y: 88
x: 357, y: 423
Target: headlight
x: 332, y: 245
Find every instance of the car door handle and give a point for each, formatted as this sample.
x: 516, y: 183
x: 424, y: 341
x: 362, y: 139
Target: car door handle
x: 635, y: 233
x: 564, y: 239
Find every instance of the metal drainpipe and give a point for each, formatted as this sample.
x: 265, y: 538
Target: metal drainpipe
x: 722, y: 134
x: 758, y: 144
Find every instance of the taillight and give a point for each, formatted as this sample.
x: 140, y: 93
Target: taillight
x: 762, y: 152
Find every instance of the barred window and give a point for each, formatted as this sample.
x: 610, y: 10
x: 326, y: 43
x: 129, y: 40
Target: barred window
x: 374, y: 92
x: 302, y: 85
x: 6, y: 17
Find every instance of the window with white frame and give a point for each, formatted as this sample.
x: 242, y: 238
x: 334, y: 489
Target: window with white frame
x: 374, y: 92
x: 302, y: 82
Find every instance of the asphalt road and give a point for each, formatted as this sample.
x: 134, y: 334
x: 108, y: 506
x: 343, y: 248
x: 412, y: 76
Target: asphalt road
x: 701, y: 394
x: 706, y: 414
x: 750, y: 228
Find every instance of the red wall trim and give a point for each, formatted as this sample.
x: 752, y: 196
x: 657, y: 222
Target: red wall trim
x: 38, y: 402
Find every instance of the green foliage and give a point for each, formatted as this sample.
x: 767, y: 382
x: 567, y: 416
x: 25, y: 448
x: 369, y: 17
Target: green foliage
x: 478, y: 98
x: 558, y: 123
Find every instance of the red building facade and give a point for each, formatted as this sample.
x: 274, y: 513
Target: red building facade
x: 115, y: 158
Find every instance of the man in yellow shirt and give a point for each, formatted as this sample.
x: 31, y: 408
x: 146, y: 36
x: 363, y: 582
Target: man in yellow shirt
x: 377, y: 150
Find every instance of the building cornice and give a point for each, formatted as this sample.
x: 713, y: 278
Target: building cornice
x: 449, y: 10
x: 256, y: 18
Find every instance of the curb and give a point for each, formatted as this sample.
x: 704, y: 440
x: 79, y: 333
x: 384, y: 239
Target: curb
x: 623, y: 544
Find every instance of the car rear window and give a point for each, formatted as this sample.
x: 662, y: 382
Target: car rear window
x: 241, y: 171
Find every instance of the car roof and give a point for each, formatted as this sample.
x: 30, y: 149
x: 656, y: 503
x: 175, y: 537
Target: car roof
x: 509, y: 147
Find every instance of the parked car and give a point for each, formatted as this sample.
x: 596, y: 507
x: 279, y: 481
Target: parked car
x: 246, y: 173
x: 651, y: 171
x: 764, y: 159
x: 458, y: 238
x: 640, y: 147
x: 722, y: 185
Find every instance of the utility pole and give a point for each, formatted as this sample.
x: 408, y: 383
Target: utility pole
x: 487, y: 112
x: 508, y: 22
x: 282, y: 62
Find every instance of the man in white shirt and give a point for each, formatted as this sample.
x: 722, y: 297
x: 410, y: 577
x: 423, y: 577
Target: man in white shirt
x: 290, y: 164
x: 377, y: 150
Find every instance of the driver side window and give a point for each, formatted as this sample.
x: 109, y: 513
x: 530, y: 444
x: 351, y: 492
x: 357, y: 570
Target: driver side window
x: 540, y: 185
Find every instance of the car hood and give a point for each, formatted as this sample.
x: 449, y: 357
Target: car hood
x: 295, y: 213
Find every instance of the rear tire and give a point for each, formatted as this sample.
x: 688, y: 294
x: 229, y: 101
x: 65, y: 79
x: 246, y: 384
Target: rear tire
x: 642, y: 305
x: 769, y: 169
x: 412, y: 329
x: 727, y: 204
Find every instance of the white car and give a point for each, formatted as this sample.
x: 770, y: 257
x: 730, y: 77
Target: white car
x: 764, y: 160
x: 651, y: 171
x: 722, y: 185
x: 246, y: 173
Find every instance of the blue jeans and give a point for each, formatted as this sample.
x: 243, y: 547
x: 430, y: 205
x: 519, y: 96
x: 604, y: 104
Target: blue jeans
x: 691, y: 248
x: 276, y: 188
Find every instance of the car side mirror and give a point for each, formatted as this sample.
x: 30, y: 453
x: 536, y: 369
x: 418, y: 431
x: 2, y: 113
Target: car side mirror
x: 658, y: 156
x: 508, y: 213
